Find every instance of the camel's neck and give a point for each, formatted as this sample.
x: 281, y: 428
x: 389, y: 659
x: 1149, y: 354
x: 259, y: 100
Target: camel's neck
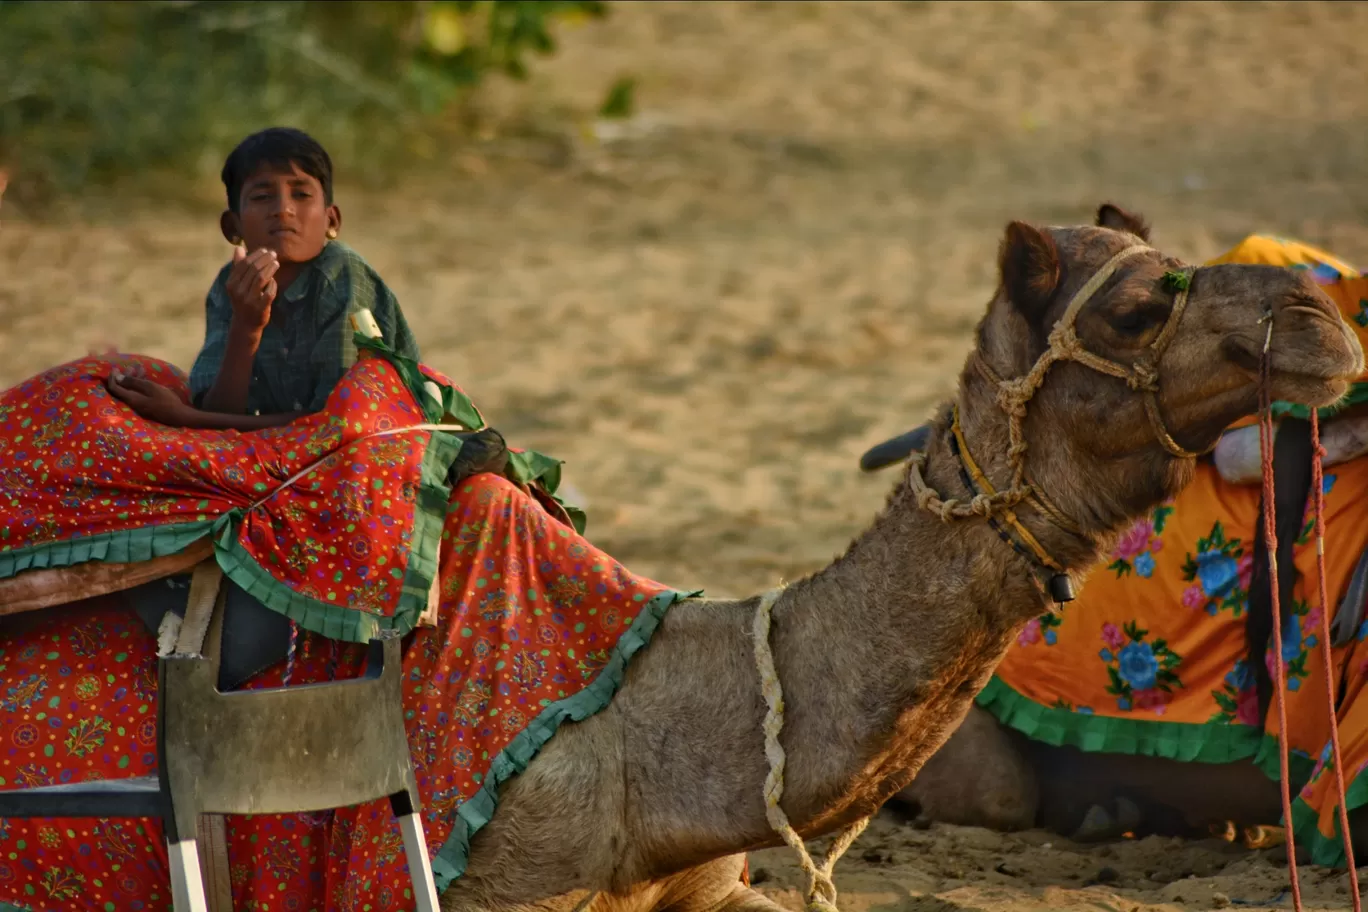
x: 883, y: 650
x: 879, y: 656
x: 881, y: 653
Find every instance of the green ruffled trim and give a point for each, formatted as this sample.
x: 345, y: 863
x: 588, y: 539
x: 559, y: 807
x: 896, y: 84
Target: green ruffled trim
x: 530, y: 467
x: 527, y: 467
x: 340, y: 622
x: 1300, y: 765
x: 126, y: 546
x: 1305, y: 825
x: 454, y: 403
x: 1210, y: 742
x: 450, y: 861
x: 1356, y: 395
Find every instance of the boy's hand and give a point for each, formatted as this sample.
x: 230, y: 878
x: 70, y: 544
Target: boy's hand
x: 251, y: 286
x: 149, y: 399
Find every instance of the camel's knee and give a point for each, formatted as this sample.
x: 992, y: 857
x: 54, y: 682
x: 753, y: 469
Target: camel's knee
x: 979, y: 777
x: 713, y: 887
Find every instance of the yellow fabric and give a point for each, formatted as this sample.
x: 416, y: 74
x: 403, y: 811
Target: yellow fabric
x: 1150, y: 657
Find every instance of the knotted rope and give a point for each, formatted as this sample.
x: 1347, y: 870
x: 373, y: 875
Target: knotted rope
x: 1014, y: 394
x: 821, y: 889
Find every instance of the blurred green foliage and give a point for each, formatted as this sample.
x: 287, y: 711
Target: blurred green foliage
x: 92, y: 92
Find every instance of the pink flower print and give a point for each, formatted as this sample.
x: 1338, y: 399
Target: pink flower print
x: 1311, y: 623
x: 1194, y: 597
x: 1030, y: 634
x: 1151, y: 698
x: 1112, y: 636
x: 1156, y: 546
x: 1134, y: 541
x: 1247, y: 707
x: 1245, y: 569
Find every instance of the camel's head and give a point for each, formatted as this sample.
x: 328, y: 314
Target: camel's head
x: 1182, y: 345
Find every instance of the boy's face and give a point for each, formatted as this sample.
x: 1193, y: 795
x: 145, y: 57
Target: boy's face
x: 282, y: 210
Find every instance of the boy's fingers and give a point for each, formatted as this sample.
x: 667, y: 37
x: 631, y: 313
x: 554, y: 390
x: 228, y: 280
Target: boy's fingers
x: 237, y: 276
x: 119, y: 391
x: 239, y: 253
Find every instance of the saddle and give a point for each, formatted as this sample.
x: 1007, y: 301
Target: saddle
x: 254, y: 637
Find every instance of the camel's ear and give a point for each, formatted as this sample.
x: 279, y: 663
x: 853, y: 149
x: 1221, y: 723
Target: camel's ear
x: 1029, y: 262
x: 1110, y: 215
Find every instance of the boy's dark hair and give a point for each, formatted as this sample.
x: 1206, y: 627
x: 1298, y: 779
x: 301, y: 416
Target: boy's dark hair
x: 279, y: 147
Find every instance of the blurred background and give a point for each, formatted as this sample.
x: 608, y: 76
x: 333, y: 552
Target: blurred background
x: 707, y: 252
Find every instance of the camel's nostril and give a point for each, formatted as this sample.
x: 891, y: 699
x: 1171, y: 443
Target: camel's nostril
x: 1310, y: 299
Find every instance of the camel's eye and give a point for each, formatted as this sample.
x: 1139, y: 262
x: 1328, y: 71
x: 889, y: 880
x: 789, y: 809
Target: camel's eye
x: 1134, y: 321
x: 1130, y: 323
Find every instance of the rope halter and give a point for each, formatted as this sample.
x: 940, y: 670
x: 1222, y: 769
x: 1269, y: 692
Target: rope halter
x: 1013, y: 396
x: 1142, y: 375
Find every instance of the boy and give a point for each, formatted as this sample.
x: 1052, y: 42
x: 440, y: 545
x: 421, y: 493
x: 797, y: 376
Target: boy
x: 277, y: 336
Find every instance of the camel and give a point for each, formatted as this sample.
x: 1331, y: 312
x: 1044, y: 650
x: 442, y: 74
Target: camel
x: 988, y: 776
x: 653, y: 802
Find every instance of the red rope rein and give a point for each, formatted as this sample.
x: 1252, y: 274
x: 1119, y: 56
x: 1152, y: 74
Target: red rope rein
x: 1279, y: 672
x: 1318, y: 493
x: 1279, y: 675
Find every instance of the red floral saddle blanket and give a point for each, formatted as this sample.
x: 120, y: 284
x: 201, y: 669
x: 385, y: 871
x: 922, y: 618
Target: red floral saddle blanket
x: 334, y: 520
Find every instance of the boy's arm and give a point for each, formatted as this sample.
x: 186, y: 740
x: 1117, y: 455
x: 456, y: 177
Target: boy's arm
x: 155, y: 402
x: 228, y: 393
x: 222, y: 372
x: 218, y: 421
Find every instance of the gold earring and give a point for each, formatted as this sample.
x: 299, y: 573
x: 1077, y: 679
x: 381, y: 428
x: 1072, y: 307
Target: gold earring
x: 237, y: 241
x: 332, y: 234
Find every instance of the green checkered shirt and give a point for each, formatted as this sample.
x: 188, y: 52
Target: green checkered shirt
x: 307, y: 346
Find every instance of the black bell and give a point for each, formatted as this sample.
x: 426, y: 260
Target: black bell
x: 1061, y: 587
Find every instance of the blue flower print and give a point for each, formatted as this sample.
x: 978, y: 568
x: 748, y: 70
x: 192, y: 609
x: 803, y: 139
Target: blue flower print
x: 1240, y: 677
x: 1138, y: 666
x: 1217, y: 572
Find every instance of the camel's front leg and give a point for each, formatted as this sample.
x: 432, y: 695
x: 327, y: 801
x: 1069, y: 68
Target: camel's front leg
x: 557, y: 831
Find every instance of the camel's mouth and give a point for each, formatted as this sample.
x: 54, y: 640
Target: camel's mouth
x: 1313, y: 361
x: 1309, y: 389
x: 1313, y: 382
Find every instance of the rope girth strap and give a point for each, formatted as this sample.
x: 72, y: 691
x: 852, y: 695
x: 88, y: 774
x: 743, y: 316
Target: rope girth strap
x: 821, y: 888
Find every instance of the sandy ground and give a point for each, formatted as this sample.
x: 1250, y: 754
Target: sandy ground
x: 713, y: 309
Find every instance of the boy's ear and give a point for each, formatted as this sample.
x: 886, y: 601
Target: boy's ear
x: 334, y: 220
x: 231, y: 227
